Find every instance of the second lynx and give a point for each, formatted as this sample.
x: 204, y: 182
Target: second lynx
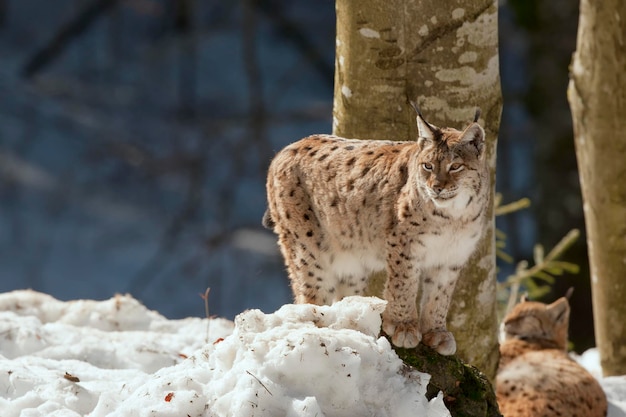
x: 343, y: 208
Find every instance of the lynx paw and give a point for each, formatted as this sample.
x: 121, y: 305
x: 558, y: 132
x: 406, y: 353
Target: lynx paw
x: 442, y: 341
x: 403, y: 334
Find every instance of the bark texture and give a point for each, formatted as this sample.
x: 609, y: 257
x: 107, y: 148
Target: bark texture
x: 597, y: 96
x: 444, y: 55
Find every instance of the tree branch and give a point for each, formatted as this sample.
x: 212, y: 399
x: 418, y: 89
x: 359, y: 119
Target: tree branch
x: 65, y: 35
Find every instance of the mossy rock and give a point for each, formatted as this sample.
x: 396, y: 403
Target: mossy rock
x: 466, y: 391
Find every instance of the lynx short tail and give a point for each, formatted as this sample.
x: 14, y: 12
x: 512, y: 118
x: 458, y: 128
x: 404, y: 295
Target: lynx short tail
x: 267, y: 221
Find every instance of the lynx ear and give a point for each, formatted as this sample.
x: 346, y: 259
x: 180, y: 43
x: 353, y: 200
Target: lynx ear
x: 424, y: 129
x: 559, y: 310
x: 474, y: 135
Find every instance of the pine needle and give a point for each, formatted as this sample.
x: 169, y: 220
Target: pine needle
x: 259, y: 381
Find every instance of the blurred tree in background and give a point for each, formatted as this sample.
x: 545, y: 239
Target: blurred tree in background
x: 597, y: 95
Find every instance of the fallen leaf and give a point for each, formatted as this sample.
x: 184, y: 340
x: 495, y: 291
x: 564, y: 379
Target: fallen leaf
x: 71, y: 377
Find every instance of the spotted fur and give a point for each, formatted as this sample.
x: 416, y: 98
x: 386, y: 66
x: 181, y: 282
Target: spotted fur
x: 536, y: 377
x: 343, y: 208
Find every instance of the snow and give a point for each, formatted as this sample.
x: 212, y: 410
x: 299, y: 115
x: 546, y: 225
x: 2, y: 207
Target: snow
x: 117, y: 358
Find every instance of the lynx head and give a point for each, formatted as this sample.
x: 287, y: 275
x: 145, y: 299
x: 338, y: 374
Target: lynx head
x: 451, y: 163
x: 544, y: 324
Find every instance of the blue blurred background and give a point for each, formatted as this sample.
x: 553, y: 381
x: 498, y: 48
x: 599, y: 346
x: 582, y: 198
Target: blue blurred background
x: 135, y: 136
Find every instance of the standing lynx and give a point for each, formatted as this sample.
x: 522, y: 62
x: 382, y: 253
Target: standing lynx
x: 343, y: 208
x: 536, y: 377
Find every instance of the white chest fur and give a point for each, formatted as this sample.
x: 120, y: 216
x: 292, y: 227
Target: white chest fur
x: 452, y: 246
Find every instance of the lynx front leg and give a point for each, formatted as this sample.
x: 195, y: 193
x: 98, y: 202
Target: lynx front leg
x: 438, y: 286
x: 400, y: 320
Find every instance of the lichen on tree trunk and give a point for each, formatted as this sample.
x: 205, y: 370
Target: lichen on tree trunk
x: 597, y: 96
x: 444, y: 55
x: 466, y: 391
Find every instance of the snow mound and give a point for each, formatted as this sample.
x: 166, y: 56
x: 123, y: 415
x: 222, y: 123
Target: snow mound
x: 309, y: 360
x: 615, y: 389
x: 116, y: 358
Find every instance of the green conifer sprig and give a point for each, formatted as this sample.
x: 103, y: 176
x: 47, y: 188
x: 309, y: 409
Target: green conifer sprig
x: 536, y: 279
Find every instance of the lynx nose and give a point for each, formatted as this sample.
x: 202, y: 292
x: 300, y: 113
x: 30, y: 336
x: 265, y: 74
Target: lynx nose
x: 439, y: 185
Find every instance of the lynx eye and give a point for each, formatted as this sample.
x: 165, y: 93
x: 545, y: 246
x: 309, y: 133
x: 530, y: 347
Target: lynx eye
x: 427, y: 166
x: 455, y: 167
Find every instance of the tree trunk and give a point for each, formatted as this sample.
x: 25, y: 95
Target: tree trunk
x: 3, y: 13
x: 444, y: 55
x: 597, y: 96
x: 184, y: 28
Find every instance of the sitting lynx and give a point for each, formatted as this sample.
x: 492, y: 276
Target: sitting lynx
x: 343, y: 208
x: 536, y: 377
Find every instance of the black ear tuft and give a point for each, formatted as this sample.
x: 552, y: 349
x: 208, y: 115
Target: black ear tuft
x: 414, y: 105
x: 477, y: 115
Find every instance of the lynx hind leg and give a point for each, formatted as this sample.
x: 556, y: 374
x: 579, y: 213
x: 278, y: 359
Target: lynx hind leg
x: 438, y: 287
x: 351, y: 273
x: 310, y: 277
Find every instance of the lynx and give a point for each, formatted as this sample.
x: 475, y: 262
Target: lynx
x: 343, y: 208
x: 536, y: 377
